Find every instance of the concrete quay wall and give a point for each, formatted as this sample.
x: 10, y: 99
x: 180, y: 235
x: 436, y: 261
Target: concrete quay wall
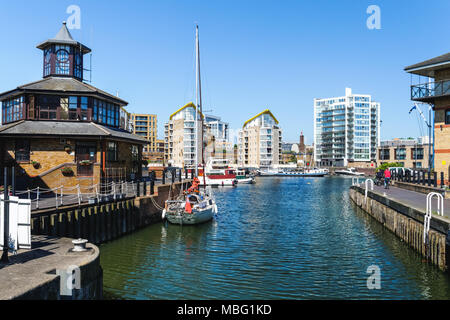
x: 408, y: 224
x: 36, y: 274
x: 105, y: 221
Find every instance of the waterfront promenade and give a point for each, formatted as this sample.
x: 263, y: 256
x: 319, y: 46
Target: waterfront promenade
x: 409, y: 198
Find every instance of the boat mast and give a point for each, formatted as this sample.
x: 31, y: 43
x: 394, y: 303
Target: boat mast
x: 196, y: 102
x: 199, y: 105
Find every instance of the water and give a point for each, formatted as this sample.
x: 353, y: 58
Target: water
x: 281, y: 238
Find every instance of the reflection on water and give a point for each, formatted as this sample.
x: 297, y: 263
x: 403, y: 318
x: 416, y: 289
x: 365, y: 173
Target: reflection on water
x: 282, y: 238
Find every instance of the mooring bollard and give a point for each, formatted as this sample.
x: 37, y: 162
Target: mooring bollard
x: 145, y: 188
x: 164, y: 177
x: 435, y: 179
x: 186, y: 173
x: 442, y: 179
x: 180, y: 176
x: 173, y: 173
x: 152, y: 187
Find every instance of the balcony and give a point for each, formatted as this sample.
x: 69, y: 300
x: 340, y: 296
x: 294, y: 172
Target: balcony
x: 427, y: 92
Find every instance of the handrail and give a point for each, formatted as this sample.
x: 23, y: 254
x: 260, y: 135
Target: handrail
x: 431, y: 89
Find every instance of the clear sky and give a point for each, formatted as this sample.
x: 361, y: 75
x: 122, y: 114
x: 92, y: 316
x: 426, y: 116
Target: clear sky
x: 255, y: 54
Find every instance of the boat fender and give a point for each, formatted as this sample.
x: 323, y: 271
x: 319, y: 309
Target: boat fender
x: 215, y: 209
x: 163, y: 214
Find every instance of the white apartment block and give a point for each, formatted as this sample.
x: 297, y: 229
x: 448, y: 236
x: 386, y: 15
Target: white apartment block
x: 260, y: 142
x: 182, y: 148
x: 346, y: 130
x: 219, y: 129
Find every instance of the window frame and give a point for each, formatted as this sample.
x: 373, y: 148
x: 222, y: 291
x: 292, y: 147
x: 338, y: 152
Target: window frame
x: 24, y: 151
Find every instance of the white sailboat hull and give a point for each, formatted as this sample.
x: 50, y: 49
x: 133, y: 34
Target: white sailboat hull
x: 196, y: 217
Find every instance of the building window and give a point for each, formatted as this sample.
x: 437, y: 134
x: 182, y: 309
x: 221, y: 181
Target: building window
x: 84, y: 108
x: 22, y: 151
x: 417, y: 164
x: 78, y: 65
x: 447, y: 116
x: 73, y: 106
x: 384, y: 154
x: 47, y: 61
x: 62, y: 60
x: 417, y: 153
x: 400, y: 154
x: 112, y: 152
x: 13, y: 109
x: 48, y: 106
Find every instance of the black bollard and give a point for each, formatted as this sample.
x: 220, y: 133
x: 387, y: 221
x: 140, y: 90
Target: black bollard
x: 138, y: 189
x: 442, y: 179
x: 5, y: 217
x: 145, y: 188
x: 173, y: 174
x: 13, y: 181
x: 435, y: 179
x: 186, y: 173
x: 164, y: 177
x: 152, y: 187
x: 180, y: 177
x: 429, y: 179
x: 192, y: 174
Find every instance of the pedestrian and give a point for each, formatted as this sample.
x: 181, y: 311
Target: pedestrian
x: 387, y: 178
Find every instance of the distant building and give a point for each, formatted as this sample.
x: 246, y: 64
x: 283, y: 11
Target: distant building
x: 219, y: 129
x: 409, y: 153
x: 346, y: 130
x: 260, y: 141
x: 301, y: 146
x: 145, y: 126
x: 182, y: 141
x: 157, y: 156
x: 436, y: 93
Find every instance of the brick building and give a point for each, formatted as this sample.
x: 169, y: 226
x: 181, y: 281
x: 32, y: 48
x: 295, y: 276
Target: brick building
x: 410, y: 153
x: 435, y: 91
x: 62, y: 131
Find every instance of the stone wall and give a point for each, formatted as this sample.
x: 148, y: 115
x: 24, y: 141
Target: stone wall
x: 407, y: 224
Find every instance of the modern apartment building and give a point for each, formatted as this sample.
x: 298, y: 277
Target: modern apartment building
x: 219, y: 129
x: 434, y: 90
x: 180, y: 137
x: 346, y: 130
x: 260, y: 141
x: 410, y: 153
x: 145, y: 126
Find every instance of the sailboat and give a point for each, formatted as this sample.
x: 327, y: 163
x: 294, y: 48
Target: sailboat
x: 195, y: 205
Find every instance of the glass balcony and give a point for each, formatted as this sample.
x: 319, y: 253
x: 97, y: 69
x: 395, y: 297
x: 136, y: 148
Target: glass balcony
x: 428, y: 91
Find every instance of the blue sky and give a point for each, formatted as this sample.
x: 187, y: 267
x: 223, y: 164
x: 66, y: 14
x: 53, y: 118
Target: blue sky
x: 255, y: 54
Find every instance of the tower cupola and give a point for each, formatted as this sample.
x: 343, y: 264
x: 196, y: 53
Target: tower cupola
x: 63, y: 56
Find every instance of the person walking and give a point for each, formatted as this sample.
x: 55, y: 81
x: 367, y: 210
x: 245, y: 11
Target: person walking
x: 387, y: 178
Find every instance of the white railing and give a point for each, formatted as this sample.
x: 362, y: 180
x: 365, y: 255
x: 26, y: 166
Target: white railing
x: 367, y: 188
x: 76, y: 193
x: 427, y: 217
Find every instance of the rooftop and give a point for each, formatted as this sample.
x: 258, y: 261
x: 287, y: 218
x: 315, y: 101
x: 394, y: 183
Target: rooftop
x: 428, y: 67
x: 63, y: 85
x: 63, y: 37
x: 66, y: 129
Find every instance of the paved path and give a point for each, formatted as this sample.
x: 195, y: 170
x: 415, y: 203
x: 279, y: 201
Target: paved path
x: 49, y: 201
x: 411, y: 198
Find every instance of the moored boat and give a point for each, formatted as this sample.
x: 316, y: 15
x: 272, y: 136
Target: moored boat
x: 218, y: 173
x: 348, y: 172
x: 243, y: 178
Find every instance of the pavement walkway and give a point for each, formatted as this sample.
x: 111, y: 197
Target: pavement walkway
x: 411, y: 198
